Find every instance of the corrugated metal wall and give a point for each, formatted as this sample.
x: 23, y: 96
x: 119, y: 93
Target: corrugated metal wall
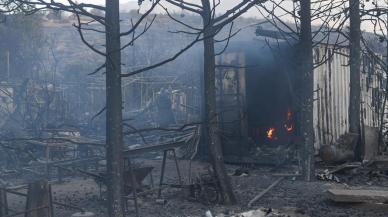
x: 331, y: 93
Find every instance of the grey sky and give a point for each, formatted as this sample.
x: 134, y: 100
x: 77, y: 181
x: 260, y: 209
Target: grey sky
x: 127, y: 5
x: 132, y: 4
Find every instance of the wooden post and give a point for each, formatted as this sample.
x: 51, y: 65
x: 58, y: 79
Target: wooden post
x: 3, y: 203
x: 162, y: 174
x: 39, y: 200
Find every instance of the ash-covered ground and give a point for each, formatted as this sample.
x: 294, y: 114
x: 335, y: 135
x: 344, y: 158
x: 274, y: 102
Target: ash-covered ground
x: 302, y: 198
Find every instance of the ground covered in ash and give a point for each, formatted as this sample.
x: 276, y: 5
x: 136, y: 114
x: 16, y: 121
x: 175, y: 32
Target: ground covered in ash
x: 305, y: 199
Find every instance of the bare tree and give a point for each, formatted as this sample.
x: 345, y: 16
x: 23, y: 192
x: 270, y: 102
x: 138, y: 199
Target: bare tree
x: 212, y: 24
x: 375, y: 13
x: 114, y: 128
x: 355, y: 66
x: 307, y: 89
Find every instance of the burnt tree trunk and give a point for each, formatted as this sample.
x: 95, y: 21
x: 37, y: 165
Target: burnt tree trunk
x: 384, y: 104
x: 211, y: 119
x: 355, y: 67
x: 114, y: 134
x: 307, y: 91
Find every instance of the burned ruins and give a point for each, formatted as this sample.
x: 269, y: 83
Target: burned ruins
x: 246, y: 108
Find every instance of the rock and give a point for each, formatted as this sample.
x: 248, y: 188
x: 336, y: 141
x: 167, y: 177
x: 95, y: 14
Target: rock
x: 334, y: 154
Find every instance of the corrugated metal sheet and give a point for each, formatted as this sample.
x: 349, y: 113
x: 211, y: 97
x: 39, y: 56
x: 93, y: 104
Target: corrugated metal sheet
x: 332, y: 87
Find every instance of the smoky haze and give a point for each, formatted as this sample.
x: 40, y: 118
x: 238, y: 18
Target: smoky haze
x: 94, y: 108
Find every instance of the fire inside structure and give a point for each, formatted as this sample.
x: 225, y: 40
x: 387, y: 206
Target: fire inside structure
x: 258, y: 104
x: 288, y: 127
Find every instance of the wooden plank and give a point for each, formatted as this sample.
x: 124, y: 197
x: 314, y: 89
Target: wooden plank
x: 358, y: 196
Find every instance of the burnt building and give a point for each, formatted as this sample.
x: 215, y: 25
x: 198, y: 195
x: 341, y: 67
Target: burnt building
x: 258, y: 104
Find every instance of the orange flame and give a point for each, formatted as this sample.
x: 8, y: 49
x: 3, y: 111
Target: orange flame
x: 271, y: 133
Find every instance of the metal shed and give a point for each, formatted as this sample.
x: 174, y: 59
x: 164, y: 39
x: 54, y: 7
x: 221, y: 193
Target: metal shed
x: 248, y: 109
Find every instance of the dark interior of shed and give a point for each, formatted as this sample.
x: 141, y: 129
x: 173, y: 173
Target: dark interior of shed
x: 269, y: 104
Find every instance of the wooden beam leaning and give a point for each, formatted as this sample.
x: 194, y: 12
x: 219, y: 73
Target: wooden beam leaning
x: 264, y: 191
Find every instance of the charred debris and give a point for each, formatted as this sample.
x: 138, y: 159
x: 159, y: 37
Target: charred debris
x: 193, y: 108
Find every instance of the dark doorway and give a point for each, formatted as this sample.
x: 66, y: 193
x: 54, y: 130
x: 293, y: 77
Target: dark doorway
x: 270, y: 101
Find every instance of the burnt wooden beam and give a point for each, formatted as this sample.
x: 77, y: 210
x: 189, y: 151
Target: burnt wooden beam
x: 257, y: 197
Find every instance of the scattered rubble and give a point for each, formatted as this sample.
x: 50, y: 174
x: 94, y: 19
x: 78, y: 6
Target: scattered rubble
x: 326, y: 175
x: 265, y: 212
